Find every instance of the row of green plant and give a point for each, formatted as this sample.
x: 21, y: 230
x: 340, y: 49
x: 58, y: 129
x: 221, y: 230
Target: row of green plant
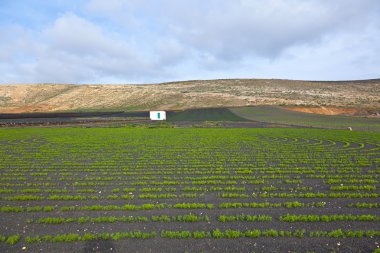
x: 126, y: 207
x: 132, y: 207
x: 87, y: 219
x: 328, y: 218
x: 112, y: 219
x: 180, y: 218
x: 11, y: 240
x: 224, y: 205
x: 162, y: 196
x: 364, y: 205
x: 353, y: 188
x: 192, y: 206
x: 255, y: 175
x: 19, y: 209
x: 194, y: 195
x: 185, y: 234
x: 288, y: 204
x: 37, y: 190
x: 258, y: 176
x: 244, y: 217
x: 226, y: 190
x: 352, y: 181
x: 232, y: 195
x: 73, y: 237
x: 300, y: 233
x: 318, y: 195
x: 196, y: 218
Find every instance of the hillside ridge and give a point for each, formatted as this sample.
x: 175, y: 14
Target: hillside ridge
x: 181, y: 95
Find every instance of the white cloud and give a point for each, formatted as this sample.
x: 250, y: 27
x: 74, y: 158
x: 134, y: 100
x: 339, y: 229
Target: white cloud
x: 231, y: 30
x: 134, y: 15
x: 79, y: 36
x: 336, y: 57
x: 153, y: 41
x: 77, y: 50
x: 169, y: 51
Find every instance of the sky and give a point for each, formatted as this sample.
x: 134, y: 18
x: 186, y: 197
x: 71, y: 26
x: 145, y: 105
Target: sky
x: 152, y: 41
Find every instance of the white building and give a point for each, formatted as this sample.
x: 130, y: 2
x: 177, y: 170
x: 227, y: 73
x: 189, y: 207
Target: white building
x: 157, y: 115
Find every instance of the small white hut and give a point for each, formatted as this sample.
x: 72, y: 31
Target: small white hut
x: 157, y: 115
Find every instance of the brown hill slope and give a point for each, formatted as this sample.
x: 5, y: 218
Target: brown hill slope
x: 189, y: 94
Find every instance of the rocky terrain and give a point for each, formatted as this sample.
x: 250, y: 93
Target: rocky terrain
x: 343, y: 97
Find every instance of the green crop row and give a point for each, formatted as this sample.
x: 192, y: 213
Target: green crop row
x: 90, y: 237
x: 196, y: 218
x: 112, y: 219
x: 193, y: 189
x: 159, y: 189
x: 290, y: 204
x: 185, y: 234
x: 328, y: 218
x: 131, y: 207
x: 318, y: 195
x: 51, y: 220
x: 85, y: 190
x: 352, y: 181
x: 231, y: 188
x: 127, y: 207
x: 233, y: 195
x: 22, y: 198
x: 180, y: 218
x: 193, y: 206
x: 353, y: 188
x: 234, y: 234
x: 222, y: 195
x: 364, y: 205
x: 11, y: 240
x: 158, y: 196
x: 243, y: 217
x: 66, y: 197
x: 18, y: 209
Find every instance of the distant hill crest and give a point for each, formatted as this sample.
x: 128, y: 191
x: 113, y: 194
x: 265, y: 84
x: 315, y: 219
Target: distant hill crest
x: 189, y: 94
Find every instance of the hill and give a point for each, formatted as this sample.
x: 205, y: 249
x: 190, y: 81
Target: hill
x: 362, y: 97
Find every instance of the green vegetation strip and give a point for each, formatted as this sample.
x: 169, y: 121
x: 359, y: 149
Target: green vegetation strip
x: 224, y: 205
x: 300, y: 233
x: 364, y: 205
x: 328, y: 218
x: 223, y: 195
x: 185, y: 234
x: 288, y: 204
x: 112, y: 219
x: 243, y: 217
x: 131, y: 207
x: 72, y: 237
x: 198, y: 218
x: 11, y: 240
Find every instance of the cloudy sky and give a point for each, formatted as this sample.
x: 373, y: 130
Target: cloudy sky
x: 150, y: 41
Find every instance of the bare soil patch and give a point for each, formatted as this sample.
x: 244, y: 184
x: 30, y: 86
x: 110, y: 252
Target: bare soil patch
x: 325, y: 110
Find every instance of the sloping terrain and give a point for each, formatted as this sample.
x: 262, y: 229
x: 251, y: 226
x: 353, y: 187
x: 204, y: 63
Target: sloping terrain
x: 209, y: 114
x: 279, y: 115
x: 190, y: 94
